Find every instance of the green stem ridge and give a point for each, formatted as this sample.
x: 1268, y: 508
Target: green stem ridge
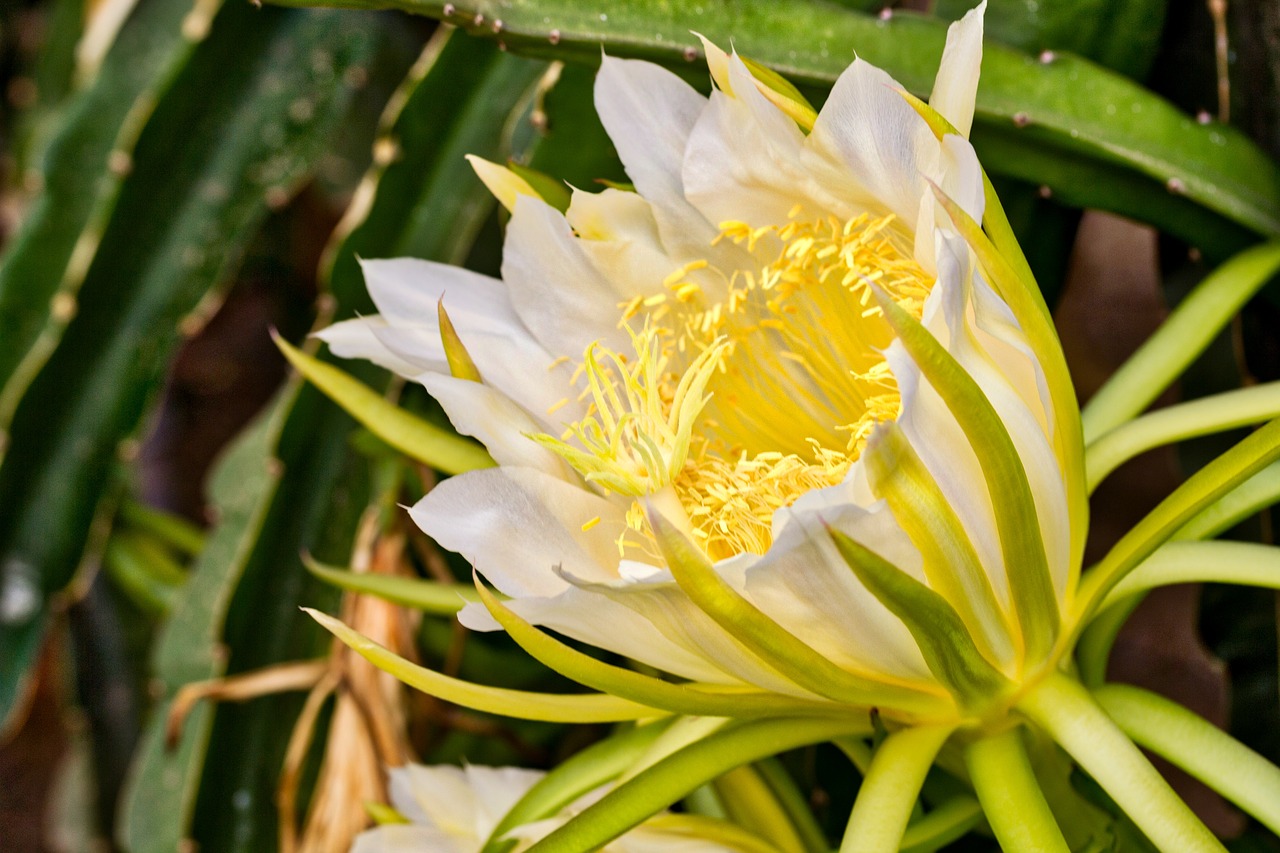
x: 1063, y: 708
x: 1216, y: 413
x: 678, y: 774
x: 890, y: 788
x: 1010, y: 795
x: 1180, y: 339
x: 1197, y: 746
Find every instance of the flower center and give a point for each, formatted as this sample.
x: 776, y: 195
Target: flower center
x: 739, y: 405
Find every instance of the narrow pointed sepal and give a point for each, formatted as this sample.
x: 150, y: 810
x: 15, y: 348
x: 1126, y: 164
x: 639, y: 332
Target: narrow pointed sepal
x: 406, y: 432
x: 767, y: 639
x: 461, y: 365
x: 521, y: 704
x: 944, y: 641
x: 1021, y: 539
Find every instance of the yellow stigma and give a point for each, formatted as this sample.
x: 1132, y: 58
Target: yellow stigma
x: 740, y: 405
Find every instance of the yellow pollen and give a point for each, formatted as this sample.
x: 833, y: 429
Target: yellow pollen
x: 743, y: 403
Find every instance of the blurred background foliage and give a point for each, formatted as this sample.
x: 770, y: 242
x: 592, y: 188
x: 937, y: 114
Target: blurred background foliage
x: 179, y: 178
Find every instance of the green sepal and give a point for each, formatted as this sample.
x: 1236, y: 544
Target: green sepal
x: 944, y: 641
x: 432, y: 597
x: 461, y: 365
x: 383, y: 814
x: 521, y: 704
x: 768, y: 640
x: 676, y: 775
x: 551, y: 190
x: 951, y: 563
x: 1204, y: 751
x: 1017, y: 523
x: 408, y: 433
x: 782, y: 94
x: 686, y: 699
x: 1008, y: 273
x: 1199, y: 491
x: 578, y: 774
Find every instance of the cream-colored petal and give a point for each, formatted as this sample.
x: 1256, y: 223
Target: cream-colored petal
x: 956, y: 85
x: 493, y: 419
x: 518, y: 526
x: 649, y: 113
x: 747, y: 161
x: 358, y: 338
x: 555, y: 285
x: 867, y: 131
x: 661, y: 602
x: 804, y: 584
x: 410, y: 838
x: 496, y: 790
x: 606, y: 619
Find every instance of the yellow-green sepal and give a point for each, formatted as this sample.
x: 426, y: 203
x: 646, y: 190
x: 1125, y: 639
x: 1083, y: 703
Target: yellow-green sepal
x: 768, y: 640
x: 406, y: 432
x: 551, y: 190
x: 521, y: 704
x: 433, y: 597
x: 944, y: 641
x: 1020, y: 292
x: 1021, y: 540
x: 951, y: 563
x: 626, y: 683
x: 782, y: 94
x: 461, y: 365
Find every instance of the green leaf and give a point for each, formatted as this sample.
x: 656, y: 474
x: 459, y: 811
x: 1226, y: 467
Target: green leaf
x: 675, y: 776
x: 159, y: 797
x: 1068, y: 106
x: 43, y: 268
x: 523, y: 705
x: 942, y: 825
x: 415, y: 437
x: 943, y: 639
x: 225, y: 123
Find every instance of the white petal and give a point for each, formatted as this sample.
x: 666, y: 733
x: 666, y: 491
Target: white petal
x: 518, y: 525
x: 956, y: 85
x: 662, y: 603
x: 358, y: 338
x: 437, y: 797
x: 747, y: 161
x: 804, y: 584
x: 496, y: 791
x: 495, y: 421
x: 872, y: 134
x: 407, y: 292
x: 410, y: 838
x: 555, y: 285
x: 603, y: 620
x: 649, y: 113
